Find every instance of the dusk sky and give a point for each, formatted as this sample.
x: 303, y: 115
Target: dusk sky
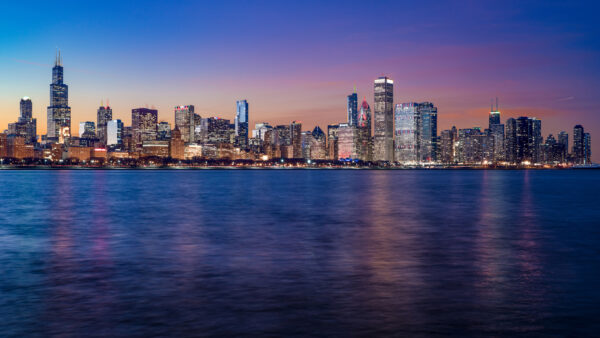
x: 299, y: 60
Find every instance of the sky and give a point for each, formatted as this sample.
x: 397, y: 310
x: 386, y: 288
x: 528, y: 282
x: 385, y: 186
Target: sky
x: 298, y: 60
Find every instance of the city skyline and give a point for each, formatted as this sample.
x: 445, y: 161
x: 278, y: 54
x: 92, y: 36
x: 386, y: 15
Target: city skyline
x: 553, y: 82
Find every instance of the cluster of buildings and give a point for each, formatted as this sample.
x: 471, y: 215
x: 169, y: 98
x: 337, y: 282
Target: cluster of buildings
x: 403, y: 133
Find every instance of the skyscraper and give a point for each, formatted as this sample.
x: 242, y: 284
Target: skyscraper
x: 296, y: 139
x: 578, y: 140
x: 185, y: 121
x: 587, y: 148
x: 352, y: 109
x: 364, y: 132
x: 510, y: 143
x: 427, y: 132
x: 384, y: 120
x: 87, y: 129
x: 59, y: 112
x: 104, y: 115
x: 26, y: 126
x: 114, y: 133
x: 496, y: 130
x: 241, y: 123
x: 563, y: 139
x: 143, y: 125
x: 407, y: 128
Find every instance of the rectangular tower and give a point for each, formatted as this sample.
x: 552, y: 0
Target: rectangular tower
x: 383, y: 115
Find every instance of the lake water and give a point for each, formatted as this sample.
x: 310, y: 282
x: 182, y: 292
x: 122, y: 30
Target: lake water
x: 299, y: 252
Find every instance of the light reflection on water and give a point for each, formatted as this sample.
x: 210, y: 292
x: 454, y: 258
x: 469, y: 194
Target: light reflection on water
x: 240, y: 252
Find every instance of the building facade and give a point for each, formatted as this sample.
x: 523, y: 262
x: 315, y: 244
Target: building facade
x: 59, y: 112
x: 383, y: 142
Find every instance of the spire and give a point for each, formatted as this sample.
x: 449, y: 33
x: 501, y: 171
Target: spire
x: 497, y: 103
x: 355, y: 89
x: 101, y: 103
x: 492, y: 105
x: 107, y: 103
x: 58, y: 60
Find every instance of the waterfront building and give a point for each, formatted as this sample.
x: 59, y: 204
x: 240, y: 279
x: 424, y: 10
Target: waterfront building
x: 383, y: 142
x: 510, y: 143
x: 407, y: 128
x: 177, y: 145
x: 496, y: 130
x: 352, y: 109
x: 578, y: 144
x: 155, y: 148
x: 305, y: 137
x: 104, y: 115
x: 348, y: 142
x: 332, y: 141
x: 58, y: 112
x: 563, y: 138
x: 143, y: 125
x: 241, y: 124
x: 296, y: 139
x: 114, y: 133
x: 215, y: 130
x: 447, y: 139
x: 427, y: 123
x: 192, y: 151
x: 185, y: 121
x: 318, y: 144
x: 26, y: 126
x: 3, y: 145
x: 553, y: 151
x: 364, y: 131
x: 587, y: 148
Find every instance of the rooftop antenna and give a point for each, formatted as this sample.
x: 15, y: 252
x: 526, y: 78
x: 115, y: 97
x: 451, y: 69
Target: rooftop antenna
x: 492, y: 105
x: 107, y: 103
x: 101, y: 103
x: 497, y: 103
x: 355, y: 89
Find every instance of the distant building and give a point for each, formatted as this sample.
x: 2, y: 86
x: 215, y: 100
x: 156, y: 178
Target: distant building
x: 352, y: 109
x: 103, y: 116
x: 163, y: 131
x: 332, y: 141
x: 26, y: 126
x: 59, y: 112
x: 241, y: 123
x: 177, y: 145
x: 296, y: 139
x: 86, y: 128
x: 407, y: 128
x: 587, y: 148
x: 510, y: 142
x: 447, y: 140
x: 563, y: 138
x: 364, y: 131
x: 185, y: 121
x: 383, y: 142
x: 427, y: 123
x: 348, y: 142
x: 114, y: 133
x: 318, y: 144
x: 143, y: 125
x: 578, y: 144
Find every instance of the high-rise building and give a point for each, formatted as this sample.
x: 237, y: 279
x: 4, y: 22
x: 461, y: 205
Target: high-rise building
x: 447, y: 139
x: 163, y: 131
x: 494, y: 115
x: 59, y: 112
x: 348, y: 142
x: 427, y: 132
x: 510, y: 142
x: 528, y: 143
x: 407, y: 128
x: 536, y: 140
x: 26, y: 109
x: 496, y: 130
x: 241, y: 123
x: 296, y: 139
x: 87, y: 129
x: 104, y: 115
x: 143, y: 125
x: 563, y: 138
x: 578, y: 147
x: 26, y: 126
x: 383, y: 142
x: 352, y: 108
x: 318, y: 148
x: 185, y: 121
x: 114, y: 133
x: 587, y: 148
x: 176, y: 145
x: 332, y: 141
x: 364, y: 131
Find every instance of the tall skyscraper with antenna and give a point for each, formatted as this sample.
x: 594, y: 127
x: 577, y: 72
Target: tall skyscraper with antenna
x: 59, y: 112
x: 352, y: 108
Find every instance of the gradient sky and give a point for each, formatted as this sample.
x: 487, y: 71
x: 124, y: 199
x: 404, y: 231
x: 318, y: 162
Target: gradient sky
x: 299, y: 60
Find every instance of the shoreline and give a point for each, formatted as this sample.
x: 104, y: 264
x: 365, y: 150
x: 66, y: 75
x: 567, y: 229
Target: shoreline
x: 220, y: 167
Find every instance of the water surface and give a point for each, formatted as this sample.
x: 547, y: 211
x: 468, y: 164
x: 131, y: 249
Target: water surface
x: 299, y: 252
